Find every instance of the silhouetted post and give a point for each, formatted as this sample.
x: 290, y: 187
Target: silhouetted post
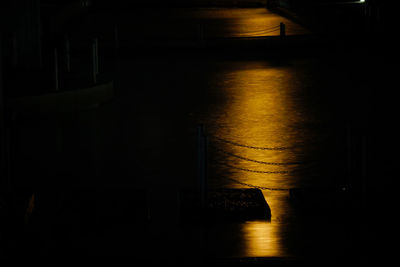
x: 94, y: 64
x: 96, y: 49
x: 200, y: 32
x: 67, y: 54
x: 116, y: 40
x: 14, y: 52
x: 364, y: 172
x: 349, y: 156
x: 202, y: 164
x: 56, y: 81
x: 95, y: 55
x: 3, y: 142
x: 282, y: 28
x: 5, y: 132
x: 179, y: 205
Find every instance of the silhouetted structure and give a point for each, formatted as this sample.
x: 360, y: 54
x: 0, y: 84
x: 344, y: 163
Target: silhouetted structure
x: 46, y: 142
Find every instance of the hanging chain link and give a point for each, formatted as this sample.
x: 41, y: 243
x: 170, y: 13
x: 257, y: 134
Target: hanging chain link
x: 259, y: 187
x: 248, y: 146
x: 257, y: 161
x: 255, y: 171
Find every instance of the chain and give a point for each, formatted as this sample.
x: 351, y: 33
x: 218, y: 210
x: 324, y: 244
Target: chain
x: 255, y: 171
x: 268, y: 30
x: 247, y: 146
x: 253, y: 160
x: 259, y: 187
x: 257, y: 161
x: 274, y: 30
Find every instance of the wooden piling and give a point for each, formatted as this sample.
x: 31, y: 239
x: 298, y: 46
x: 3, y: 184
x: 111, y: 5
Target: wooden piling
x: 14, y: 53
x: 3, y: 141
x: 282, y: 28
x: 200, y: 33
x: 96, y: 51
x: 116, y: 40
x: 56, y: 80
x: 67, y: 54
x: 202, y: 165
x: 94, y: 55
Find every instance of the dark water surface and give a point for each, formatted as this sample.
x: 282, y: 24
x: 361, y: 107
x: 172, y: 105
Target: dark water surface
x: 256, y: 103
x: 302, y: 105
x: 298, y: 108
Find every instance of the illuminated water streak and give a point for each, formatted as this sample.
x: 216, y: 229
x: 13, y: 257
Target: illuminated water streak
x: 260, y: 109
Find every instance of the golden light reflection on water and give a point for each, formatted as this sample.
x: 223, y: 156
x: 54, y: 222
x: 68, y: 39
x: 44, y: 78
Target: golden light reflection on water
x: 264, y: 23
x: 216, y: 22
x: 261, y: 240
x: 250, y: 22
x: 259, y: 112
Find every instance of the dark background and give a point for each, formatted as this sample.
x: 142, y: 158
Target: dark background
x: 366, y: 37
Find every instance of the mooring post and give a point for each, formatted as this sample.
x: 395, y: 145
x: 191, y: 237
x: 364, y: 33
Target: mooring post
x: 349, y: 156
x: 14, y: 53
x: 3, y: 141
x: 67, y: 54
x: 96, y: 49
x: 5, y: 128
x: 200, y: 33
x: 202, y: 164
x: 364, y: 171
x: 282, y: 28
x: 94, y: 54
x: 116, y: 40
x: 56, y: 81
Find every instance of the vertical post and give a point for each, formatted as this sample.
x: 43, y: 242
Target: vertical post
x: 8, y: 146
x: 349, y: 157
x: 67, y: 54
x: 40, y: 33
x: 94, y: 67
x: 200, y: 33
x: 116, y: 40
x: 96, y: 50
x: 14, y: 53
x: 202, y: 164
x: 3, y: 141
x: 282, y: 28
x: 179, y: 206
x: 56, y: 81
x: 5, y: 129
x: 364, y: 172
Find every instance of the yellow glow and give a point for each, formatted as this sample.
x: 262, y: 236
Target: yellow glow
x: 261, y: 22
x: 261, y: 114
x: 261, y: 239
